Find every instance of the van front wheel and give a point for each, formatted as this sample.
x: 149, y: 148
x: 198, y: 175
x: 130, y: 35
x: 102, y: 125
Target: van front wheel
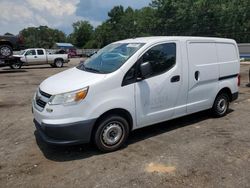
x: 111, y: 133
x: 221, y: 105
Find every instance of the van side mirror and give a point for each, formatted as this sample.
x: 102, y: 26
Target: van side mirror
x: 146, y: 69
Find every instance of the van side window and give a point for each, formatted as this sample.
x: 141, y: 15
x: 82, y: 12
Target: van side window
x: 40, y: 52
x: 161, y: 57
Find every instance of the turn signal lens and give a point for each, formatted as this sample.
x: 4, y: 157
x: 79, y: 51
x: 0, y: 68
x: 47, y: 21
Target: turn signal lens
x: 81, y: 95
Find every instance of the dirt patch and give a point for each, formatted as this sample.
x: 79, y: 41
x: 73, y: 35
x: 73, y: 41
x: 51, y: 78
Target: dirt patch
x: 11, y: 104
x: 161, y: 168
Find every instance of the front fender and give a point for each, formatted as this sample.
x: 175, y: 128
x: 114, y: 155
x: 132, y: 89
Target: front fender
x: 117, y: 103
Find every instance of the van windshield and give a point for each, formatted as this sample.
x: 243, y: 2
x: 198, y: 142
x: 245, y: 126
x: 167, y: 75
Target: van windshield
x: 110, y: 58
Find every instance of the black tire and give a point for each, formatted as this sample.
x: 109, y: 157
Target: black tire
x: 58, y: 63
x: 52, y: 65
x: 221, y: 105
x: 6, y: 50
x: 16, y: 65
x: 111, y: 133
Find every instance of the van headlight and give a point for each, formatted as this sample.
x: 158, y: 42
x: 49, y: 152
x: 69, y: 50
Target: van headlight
x: 69, y: 98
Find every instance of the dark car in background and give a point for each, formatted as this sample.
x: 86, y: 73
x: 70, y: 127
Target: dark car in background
x: 8, y: 43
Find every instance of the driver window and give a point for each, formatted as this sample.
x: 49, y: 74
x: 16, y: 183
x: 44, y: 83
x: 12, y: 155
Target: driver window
x: 31, y: 52
x: 161, y: 57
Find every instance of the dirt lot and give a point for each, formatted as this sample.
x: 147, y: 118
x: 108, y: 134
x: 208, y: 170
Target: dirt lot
x: 194, y: 151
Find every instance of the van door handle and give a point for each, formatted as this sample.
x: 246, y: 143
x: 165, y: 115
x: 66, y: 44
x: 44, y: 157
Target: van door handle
x: 197, y: 75
x: 175, y: 78
x: 35, y: 56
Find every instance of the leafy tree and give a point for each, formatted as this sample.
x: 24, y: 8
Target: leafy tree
x: 146, y: 21
x: 42, y: 37
x: 103, y: 35
x: 222, y: 18
x: 83, y: 32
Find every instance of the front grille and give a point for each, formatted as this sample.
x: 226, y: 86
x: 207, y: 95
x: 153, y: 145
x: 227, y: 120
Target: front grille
x: 42, y: 99
x: 44, y: 94
x: 40, y: 103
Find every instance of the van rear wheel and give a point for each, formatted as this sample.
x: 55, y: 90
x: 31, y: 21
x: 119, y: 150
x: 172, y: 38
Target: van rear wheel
x: 111, y: 133
x: 221, y: 105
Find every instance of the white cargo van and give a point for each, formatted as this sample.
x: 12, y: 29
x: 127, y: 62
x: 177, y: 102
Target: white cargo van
x: 134, y: 83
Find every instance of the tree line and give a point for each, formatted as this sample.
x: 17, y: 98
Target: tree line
x: 217, y: 18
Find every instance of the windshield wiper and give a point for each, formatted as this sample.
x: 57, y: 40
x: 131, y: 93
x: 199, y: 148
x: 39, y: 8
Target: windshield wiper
x: 83, y: 67
x: 91, y: 69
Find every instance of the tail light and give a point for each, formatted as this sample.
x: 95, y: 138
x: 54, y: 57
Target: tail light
x: 238, y: 79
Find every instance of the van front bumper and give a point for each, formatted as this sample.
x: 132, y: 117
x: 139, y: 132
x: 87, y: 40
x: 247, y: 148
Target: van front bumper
x: 65, y: 134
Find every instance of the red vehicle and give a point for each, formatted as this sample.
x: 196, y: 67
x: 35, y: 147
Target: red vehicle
x: 72, y: 52
x: 67, y: 48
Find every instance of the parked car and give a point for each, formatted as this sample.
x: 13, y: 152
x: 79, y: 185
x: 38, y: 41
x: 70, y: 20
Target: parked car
x: 39, y: 56
x: 12, y: 62
x: 61, y: 51
x: 8, y: 43
x: 135, y: 83
x: 72, y: 53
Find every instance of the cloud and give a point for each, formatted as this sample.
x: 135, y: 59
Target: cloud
x: 16, y: 15
x: 98, y: 10
x: 55, y: 8
x: 19, y: 14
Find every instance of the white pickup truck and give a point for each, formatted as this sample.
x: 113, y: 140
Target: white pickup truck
x: 39, y: 56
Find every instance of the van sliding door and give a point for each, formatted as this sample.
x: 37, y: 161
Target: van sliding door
x: 203, y: 75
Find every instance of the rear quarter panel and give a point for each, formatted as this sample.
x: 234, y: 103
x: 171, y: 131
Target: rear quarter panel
x: 229, y: 65
x: 228, y: 59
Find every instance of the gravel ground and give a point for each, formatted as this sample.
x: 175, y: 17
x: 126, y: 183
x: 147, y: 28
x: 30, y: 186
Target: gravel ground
x: 193, y: 151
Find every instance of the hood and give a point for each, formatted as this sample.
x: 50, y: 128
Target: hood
x: 18, y: 55
x: 69, y: 80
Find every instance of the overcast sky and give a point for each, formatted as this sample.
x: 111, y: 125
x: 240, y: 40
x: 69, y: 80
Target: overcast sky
x: 18, y: 14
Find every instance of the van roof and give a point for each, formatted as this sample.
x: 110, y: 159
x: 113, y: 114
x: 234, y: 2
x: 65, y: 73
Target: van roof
x: 180, y: 38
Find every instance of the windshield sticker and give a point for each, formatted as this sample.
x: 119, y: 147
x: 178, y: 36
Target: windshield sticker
x: 133, y: 45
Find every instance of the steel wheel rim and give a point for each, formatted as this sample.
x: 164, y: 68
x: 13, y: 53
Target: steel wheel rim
x: 112, y: 133
x: 222, y: 106
x: 5, y: 51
